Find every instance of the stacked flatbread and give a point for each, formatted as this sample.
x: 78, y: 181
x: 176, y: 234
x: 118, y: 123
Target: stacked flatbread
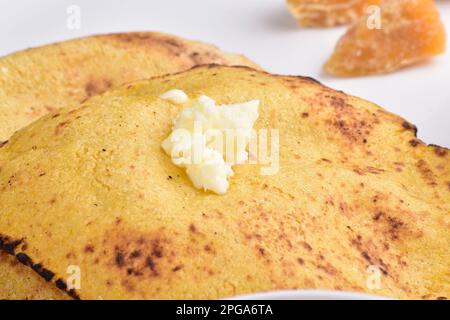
x: 41, y: 80
x: 356, y: 193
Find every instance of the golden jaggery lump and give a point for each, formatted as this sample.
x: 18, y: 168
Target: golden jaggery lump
x: 328, y: 13
x: 409, y: 31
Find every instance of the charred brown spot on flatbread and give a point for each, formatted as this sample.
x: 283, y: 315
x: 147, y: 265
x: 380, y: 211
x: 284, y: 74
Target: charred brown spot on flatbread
x: 354, y: 124
x: 137, y: 255
x: 414, y: 142
x: 409, y: 126
x: 96, y: 86
x: 440, y: 151
x: 173, y: 46
x: 426, y: 172
x: 60, y: 127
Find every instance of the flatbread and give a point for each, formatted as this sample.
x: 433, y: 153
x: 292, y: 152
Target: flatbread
x: 37, y: 81
x: 18, y: 282
x: 357, y: 195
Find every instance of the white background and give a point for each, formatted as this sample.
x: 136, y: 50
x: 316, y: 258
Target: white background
x: 263, y: 30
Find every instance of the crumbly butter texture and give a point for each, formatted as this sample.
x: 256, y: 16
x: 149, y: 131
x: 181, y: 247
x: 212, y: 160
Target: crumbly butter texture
x: 176, y: 96
x: 208, y: 139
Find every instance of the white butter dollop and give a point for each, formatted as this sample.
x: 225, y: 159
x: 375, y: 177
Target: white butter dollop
x: 176, y: 96
x: 208, y: 139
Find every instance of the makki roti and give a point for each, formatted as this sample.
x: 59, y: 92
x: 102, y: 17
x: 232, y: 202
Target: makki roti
x: 91, y: 187
x: 37, y: 81
x: 41, y: 80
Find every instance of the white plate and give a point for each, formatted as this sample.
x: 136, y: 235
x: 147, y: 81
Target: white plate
x: 309, y: 295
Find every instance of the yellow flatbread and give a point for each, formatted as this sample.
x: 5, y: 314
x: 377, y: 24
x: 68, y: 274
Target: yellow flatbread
x: 356, y: 193
x: 37, y: 81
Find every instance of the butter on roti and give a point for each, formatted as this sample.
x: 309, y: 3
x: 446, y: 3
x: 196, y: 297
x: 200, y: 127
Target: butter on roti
x: 356, y: 191
x: 42, y: 80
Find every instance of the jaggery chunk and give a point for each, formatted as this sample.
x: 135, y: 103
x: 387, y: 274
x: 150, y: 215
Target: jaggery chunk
x: 328, y: 13
x: 409, y: 31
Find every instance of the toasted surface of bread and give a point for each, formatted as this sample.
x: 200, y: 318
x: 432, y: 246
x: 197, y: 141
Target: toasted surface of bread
x: 356, y: 190
x: 41, y: 80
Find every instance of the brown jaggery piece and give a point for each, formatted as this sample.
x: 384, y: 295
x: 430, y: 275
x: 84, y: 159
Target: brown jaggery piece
x: 328, y: 13
x: 410, y: 31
